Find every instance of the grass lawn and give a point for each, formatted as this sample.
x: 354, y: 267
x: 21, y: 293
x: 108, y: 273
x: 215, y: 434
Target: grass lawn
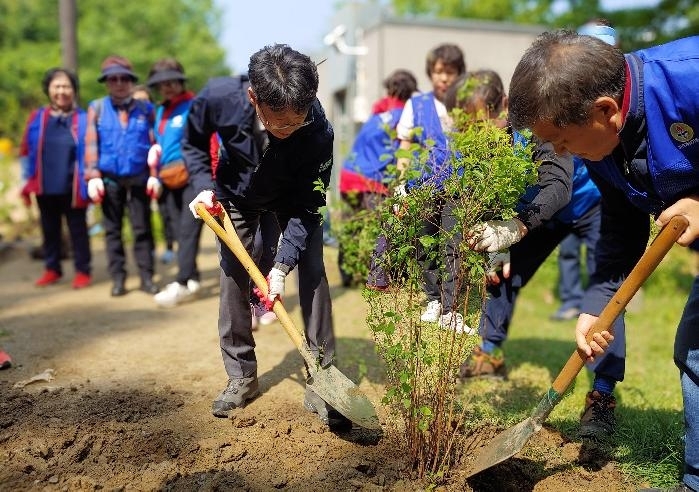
x: 648, y: 442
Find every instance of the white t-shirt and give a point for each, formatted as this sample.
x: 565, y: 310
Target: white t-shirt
x: 406, y: 124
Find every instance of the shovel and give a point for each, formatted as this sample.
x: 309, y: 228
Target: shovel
x: 510, y: 442
x: 327, y: 382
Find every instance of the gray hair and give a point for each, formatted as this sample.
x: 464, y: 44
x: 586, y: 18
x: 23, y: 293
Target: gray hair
x: 560, y: 77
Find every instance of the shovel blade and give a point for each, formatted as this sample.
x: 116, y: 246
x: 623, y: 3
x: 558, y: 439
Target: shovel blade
x: 503, y: 446
x: 343, y: 395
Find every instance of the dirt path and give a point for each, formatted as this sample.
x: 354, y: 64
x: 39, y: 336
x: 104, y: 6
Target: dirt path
x: 129, y: 408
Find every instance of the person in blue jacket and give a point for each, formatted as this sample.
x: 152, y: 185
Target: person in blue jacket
x: 364, y: 173
x: 634, y: 120
x: 289, y: 178
x: 53, y: 169
x: 560, y: 203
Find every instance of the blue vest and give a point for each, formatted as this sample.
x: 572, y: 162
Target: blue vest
x: 123, y: 151
x: 374, y: 149
x: 171, y: 138
x: 664, y: 91
x: 438, y: 166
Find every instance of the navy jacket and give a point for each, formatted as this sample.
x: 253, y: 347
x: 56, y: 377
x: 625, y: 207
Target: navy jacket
x: 257, y: 171
x: 655, y: 163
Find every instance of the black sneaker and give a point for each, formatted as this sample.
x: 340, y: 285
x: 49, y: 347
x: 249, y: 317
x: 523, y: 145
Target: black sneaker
x: 327, y: 414
x: 597, y: 420
x: 237, y: 394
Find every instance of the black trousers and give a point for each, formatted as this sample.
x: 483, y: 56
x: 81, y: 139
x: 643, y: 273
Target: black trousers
x: 52, y: 209
x: 234, y: 324
x: 187, y: 234
x: 120, y: 194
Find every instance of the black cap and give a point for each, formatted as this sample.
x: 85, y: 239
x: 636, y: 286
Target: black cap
x: 164, y: 75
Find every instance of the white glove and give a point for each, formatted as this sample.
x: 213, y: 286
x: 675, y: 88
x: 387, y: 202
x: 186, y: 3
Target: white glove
x: 153, y: 187
x: 154, y: 154
x: 95, y: 189
x: 496, y: 235
x: 206, y: 197
x: 275, y: 281
x: 499, y: 261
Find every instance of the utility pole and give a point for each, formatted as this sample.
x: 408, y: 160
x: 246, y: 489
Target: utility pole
x: 67, y: 15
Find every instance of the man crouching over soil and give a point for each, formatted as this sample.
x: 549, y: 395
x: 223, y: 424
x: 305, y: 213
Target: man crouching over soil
x: 283, y: 167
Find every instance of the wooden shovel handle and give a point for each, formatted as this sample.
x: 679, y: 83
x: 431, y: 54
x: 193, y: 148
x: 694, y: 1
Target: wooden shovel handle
x: 645, y: 266
x: 230, y: 238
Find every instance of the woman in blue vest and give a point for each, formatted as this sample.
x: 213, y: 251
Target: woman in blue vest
x: 53, y: 168
x: 118, y: 138
x: 168, y: 78
x: 634, y: 119
x: 444, y: 64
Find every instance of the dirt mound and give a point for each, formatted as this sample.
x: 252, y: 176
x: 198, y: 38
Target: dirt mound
x: 129, y: 408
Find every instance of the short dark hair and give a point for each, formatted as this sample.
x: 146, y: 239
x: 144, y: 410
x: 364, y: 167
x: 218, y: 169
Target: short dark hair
x: 480, y: 85
x: 449, y: 54
x: 51, y: 74
x: 560, y: 77
x: 283, y: 78
x: 401, y: 84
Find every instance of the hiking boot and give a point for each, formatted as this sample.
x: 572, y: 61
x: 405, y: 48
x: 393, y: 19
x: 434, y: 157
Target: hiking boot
x: 565, y: 314
x: 432, y: 312
x: 49, y: 277
x: 482, y: 365
x: 173, y: 294
x: 680, y: 487
x: 81, y: 280
x: 455, y: 322
x: 597, y: 420
x: 237, y: 394
x: 326, y: 413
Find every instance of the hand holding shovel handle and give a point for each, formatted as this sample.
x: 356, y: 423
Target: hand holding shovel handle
x: 510, y: 442
x: 327, y: 382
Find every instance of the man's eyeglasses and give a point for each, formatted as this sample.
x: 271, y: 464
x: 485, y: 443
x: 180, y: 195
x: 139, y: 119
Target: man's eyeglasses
x: 269, y: 126
x: 119, y: 78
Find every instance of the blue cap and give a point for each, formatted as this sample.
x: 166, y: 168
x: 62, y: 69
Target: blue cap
x: 605, y: 33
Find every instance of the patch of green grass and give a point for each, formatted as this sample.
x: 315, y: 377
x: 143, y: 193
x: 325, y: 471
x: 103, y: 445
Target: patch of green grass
x: 647, y: 444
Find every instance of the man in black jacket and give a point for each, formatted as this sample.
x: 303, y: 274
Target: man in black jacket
x: 289, y: 179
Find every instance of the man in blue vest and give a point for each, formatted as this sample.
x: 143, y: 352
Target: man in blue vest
x: 634, y: 120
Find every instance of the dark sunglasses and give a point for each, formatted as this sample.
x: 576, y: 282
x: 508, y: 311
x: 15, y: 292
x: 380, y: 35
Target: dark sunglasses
x: 118, y: 78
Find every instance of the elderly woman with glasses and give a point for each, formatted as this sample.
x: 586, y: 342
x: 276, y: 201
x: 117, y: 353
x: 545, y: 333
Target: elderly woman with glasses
x: 288, y: 176
x: 119, y: 136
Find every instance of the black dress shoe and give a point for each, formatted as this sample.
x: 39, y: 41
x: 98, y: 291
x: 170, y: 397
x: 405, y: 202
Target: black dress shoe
x: 118, y: 289
x: 149, y: 287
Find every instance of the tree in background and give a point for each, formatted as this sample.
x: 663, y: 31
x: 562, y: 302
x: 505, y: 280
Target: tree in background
x: 638, y: 27
x: 141, y: 31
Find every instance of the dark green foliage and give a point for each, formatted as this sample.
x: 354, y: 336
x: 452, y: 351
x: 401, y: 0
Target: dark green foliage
x: 140, y: 31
